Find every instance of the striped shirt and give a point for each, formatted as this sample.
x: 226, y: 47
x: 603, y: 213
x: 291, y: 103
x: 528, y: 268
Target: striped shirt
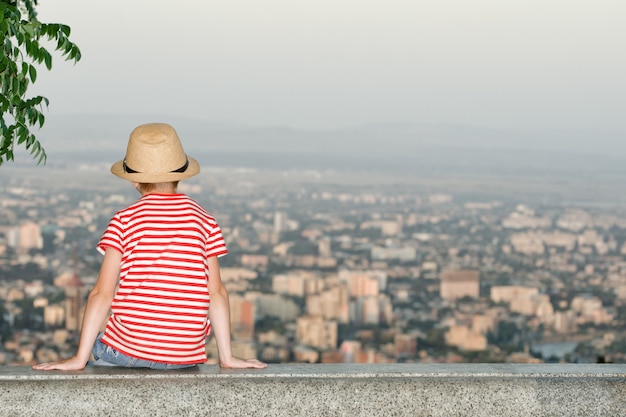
x: 159, y: 312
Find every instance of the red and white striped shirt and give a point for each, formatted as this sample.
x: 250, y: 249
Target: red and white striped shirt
x: 159, y: 312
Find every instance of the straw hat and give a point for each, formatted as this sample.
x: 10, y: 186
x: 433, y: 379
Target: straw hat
x: 155, y: 154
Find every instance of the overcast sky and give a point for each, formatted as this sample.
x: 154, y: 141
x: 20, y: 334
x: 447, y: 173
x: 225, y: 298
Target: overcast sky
x: 321, y: 64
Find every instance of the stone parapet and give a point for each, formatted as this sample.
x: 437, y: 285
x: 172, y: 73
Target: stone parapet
x: 321, y: 390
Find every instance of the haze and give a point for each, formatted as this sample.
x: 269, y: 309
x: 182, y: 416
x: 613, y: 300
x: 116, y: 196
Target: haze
x: 517, y: 65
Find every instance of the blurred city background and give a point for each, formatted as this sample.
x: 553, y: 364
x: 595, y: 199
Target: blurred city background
x: 358, y: 261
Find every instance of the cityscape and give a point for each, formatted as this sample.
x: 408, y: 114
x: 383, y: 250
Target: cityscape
x: 326, y: 266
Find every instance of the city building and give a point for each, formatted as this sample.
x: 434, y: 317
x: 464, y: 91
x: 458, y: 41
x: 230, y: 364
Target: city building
x: 456, y: 284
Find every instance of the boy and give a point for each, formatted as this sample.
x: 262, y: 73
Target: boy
x: 164, y: 248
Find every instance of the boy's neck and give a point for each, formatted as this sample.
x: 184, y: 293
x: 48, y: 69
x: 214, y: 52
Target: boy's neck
x: 160, y: 192
x: 156, y: 188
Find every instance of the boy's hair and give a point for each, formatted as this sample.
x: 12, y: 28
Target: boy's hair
x: 143, y: 187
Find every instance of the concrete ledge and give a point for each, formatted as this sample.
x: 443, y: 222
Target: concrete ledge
x: 321, y: 390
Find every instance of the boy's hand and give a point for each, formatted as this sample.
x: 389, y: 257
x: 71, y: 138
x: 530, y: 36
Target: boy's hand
x: 238, y: 363
x: 71, y: 364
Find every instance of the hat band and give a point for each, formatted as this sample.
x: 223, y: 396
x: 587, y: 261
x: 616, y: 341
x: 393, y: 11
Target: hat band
x: 129, y: 170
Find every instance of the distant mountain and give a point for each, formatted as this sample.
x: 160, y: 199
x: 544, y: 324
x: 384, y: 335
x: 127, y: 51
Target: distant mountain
x: 412, y: 147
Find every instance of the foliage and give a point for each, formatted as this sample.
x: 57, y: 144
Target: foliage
x: 267, y: 324
x: 504, y: 335
x: 5, y: 327
x: 21, y: 53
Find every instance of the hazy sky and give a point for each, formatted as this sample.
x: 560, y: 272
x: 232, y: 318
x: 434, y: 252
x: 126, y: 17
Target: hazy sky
x: 339, y: 63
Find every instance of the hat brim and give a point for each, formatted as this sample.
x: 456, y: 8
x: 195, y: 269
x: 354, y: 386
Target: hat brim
x: 155, y: 177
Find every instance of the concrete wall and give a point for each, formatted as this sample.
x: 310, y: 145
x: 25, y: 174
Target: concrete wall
x: 320, y: 390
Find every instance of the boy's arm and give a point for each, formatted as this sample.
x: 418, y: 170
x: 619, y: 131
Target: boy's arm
x: 96, y: 311
x: 219, y: 315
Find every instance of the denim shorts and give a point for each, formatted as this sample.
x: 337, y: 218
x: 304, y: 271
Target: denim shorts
x: 104, y: 355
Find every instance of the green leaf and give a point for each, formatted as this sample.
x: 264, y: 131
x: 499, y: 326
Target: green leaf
x: 76, y: 55
x: 33, y: 73
x: 42, y: 157
x: 48, y: 59
x: 29, y: 29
